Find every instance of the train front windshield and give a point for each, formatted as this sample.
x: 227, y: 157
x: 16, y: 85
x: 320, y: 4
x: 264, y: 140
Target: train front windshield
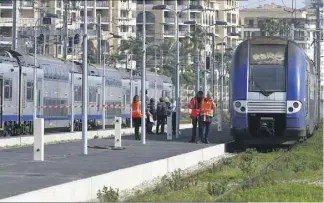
x: 267, y: 69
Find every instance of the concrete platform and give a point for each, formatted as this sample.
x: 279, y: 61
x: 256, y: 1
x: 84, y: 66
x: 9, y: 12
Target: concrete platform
x: 123, y: 169
x: 67, y: 136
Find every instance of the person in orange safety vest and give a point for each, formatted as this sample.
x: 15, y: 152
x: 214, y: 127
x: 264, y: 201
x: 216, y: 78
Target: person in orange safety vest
x: 194, y: 105
x: 206, y: 117
x: 136, y: 115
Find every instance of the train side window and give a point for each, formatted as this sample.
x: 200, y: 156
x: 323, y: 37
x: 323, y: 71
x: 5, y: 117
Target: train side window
x: 8, y: 89
x: 92, y: 94
x: 77, y: 93
x: 30, y: 93
x: 136, y: 90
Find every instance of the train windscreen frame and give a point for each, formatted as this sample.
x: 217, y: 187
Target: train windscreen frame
x: 267, y: 68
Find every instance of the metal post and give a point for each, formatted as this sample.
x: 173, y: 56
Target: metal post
x: 35, y: 72
x: 65, y: 21
x: 85, y: 83
x: 205, y: 64
x: 143, y: 127
x: 213, y: 66
x: 155, y: 84
x: 177, y: 93
x: 14, y: 26
x: 318, y: 55
x: 104, y: 89
x: 99, y: 39
x: 131, y: 90
x: 220, y: 124
x: 196, y: 73
x: 72, y: 90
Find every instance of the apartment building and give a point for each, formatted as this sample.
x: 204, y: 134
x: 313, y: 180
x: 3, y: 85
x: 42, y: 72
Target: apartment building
x: 161, y: 24
x: 117, y: 17
x: 304, y: 26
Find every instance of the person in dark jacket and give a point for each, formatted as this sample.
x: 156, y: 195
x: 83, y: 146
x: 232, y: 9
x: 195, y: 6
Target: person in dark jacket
x: 151, y: 115
x: 174, y: 117
x: 161, y: 115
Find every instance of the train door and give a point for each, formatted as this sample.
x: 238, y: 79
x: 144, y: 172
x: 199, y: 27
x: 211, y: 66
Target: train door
x: 99, y: 106
x: 1, y: 102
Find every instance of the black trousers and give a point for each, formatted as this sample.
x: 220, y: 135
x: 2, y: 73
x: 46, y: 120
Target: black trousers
x: 194, y: 122
x: 204, y: 130
x: 137, y: 124
x: 174, y: 121
x: 149, y: 125
x: 160, y: 122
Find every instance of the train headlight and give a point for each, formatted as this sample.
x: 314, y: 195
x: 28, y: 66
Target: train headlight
x: 290, y: 109
x: 242, y: 108
x: 237, y: 104
x: 295, y: 104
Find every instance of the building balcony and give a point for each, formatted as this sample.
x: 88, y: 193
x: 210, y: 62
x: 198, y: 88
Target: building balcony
x: 184, y: 33
x: 102, y: 4
x: 169, y: 32
x: 169, y: 20
x: 89, y: 3
x: 26, y: 4
x: 6, y: 4
x: 125, y: 5
x: 89, y: 19
x: 105, y: 20
x: 5, y: 40
x: 127, y: 21
x: 5, y: 21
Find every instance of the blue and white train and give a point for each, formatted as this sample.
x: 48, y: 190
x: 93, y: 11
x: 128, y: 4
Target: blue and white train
x: 274, y: 92
x: 59, y: 88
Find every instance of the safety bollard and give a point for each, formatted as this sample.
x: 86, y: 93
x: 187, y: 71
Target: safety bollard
x: 38, y: 139
x: 118, y: 122
x: 169, y: 127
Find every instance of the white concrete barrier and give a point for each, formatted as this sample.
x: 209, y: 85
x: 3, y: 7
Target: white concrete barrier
x: 50, y: 138
x: 123, y: 179
x: 39, y: 139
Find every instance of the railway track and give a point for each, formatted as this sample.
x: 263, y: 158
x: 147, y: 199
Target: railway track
x: 249, y: 182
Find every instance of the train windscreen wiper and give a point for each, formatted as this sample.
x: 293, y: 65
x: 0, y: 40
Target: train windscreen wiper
x: 264, y: 92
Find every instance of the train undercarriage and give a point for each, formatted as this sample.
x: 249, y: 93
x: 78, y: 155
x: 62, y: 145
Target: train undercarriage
x: 14, y: 128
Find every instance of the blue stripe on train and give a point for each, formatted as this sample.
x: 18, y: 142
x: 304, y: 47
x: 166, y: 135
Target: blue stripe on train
x: 78, y: 116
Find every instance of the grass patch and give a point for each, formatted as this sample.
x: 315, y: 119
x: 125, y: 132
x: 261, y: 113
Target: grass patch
x: 296, y: 176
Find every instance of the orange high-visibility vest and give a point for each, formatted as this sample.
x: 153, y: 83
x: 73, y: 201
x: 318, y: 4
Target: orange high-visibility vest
x: 136, y: 110
x: 206, y: 108
x: 193, y: 105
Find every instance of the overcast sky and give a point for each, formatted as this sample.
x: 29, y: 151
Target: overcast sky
x: 254, y: 3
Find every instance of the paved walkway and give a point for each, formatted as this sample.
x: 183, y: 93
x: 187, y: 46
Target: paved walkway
x: 64, y: 162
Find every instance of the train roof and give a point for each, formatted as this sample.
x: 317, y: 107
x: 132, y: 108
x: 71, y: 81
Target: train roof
x: 98, y: 70
x: 267, y: 40
x: 272, y: 40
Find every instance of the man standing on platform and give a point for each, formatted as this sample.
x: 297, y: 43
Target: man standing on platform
x: 205, y: 117
x: 194, y: 105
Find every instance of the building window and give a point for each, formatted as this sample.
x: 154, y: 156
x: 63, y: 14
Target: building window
x: 123, y: 28
x: 8, y: 89
x: 123, y: 13
x: 30, y: 93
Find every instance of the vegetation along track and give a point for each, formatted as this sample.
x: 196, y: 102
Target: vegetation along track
x: 281, y: 175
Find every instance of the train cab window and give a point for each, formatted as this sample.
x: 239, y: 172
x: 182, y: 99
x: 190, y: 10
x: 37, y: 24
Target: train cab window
x: 30, y: 93
x: 7, y: 89
x: 267, y: 70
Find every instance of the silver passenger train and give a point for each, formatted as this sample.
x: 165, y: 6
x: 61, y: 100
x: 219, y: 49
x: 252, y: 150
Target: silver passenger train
x: 59, y: 93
